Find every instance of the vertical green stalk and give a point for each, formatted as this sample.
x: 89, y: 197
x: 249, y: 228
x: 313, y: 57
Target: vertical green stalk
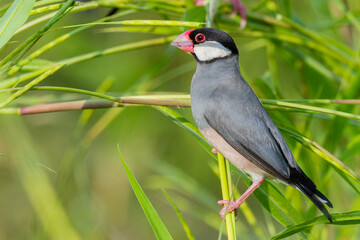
x: 226, y: 185
x: 231, y: 192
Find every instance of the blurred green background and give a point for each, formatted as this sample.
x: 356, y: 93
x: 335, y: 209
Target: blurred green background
x: 74, y: 161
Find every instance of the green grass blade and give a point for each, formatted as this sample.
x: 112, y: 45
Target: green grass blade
x: 14, y: 18
x: 323, y: 153
x: 155, y: 221
x: 211, y: 9
x: 307, y: 108
x: 57, y: 41
x: 30, y: 85
x: 183, y: 123
x: 26, y: 45
x: 185, y: 226
x: 153, y: 23
x: 46, y: 2
x: 88, y: 56
x: 347, y: 218
x: 184, y: 183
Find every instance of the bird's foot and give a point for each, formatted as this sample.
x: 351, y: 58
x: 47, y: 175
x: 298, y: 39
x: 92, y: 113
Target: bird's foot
x: 214, y: 151
x: 233, y: 205
x: 228, y: 207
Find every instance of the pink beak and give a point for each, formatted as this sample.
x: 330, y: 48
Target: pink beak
x: 184, y: 42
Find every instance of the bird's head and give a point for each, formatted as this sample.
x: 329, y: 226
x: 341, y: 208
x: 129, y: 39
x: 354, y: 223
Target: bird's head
x: 206, y: 44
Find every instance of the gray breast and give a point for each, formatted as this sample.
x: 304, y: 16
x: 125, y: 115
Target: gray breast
x: 208, y: 78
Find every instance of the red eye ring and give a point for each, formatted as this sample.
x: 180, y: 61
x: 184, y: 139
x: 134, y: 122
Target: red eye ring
x: 199, y: 38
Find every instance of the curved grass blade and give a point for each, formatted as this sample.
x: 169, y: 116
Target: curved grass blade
x: 30, y: 85
x: 303, y: 42
x: 13, y: 18
x: 46, y: 2
x: 138, y: 29
x: 88, y: 56
x: 185, y: 226
x: 57, y: 41
x: 28, y: 43
x: 152, y: 23
x: 310, y: 108
x: 5, y: 7
x: 155, y: 221
x: 323, y: 153
x: 347, y: 218
x: 183, y: 183
x: 80, y: 7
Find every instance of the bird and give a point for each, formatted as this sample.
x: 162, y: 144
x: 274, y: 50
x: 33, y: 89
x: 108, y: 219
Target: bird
x: 232, y: 119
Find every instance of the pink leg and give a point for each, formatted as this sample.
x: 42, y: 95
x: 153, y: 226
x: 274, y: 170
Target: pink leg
x: 235, y: 204
x: 214, y: 151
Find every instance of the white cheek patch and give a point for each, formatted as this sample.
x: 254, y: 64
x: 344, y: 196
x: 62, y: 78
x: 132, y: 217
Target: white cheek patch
x: 210, y: 50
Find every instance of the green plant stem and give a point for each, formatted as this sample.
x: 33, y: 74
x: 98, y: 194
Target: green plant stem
x: 302, y: 42
x: 57, y: 41
x: 152, y: 23
x: 84, y: 7
x: 182, y: 101
x: 122, y: 48
x: 26, y: 45
x: 225, y: 183
x: 186, y: 228
x: 46, y: 2
x: 185, y: 97
x: 310, y: 108
x: 231, y: 192
x: 30, y: 85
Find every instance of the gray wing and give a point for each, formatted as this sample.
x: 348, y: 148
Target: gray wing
x: 247, y: 127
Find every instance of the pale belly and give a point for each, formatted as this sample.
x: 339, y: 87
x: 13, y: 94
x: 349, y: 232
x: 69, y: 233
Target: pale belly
x: 232, y: 155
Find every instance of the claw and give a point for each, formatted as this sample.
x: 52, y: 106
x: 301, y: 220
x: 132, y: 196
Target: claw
x: 233, y: 205
x: 214, y: 151
x: 228, y: 207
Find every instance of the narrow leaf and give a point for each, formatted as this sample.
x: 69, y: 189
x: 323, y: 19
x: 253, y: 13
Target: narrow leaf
x: 348, y: 218
x: 14, y: 18
x: 344, y: 170
x: 180, y: 216
x: 155, y: 221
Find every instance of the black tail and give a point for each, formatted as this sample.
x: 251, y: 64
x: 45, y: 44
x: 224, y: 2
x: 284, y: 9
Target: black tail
x: 302, y: 182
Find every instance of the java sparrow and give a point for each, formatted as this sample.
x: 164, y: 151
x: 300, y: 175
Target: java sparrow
x: 231, y: 118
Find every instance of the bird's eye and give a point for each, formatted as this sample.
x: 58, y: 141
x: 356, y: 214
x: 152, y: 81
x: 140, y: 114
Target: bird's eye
x: 199, y: 38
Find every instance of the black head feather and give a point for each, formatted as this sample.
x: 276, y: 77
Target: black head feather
x: 213, y: 34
